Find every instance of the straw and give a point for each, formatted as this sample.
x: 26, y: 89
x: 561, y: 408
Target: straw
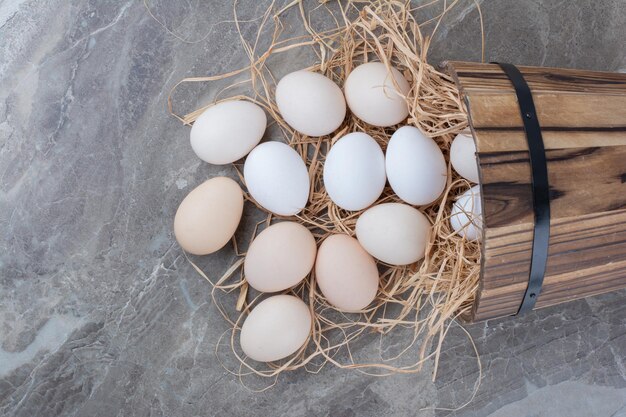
x: 422, y: 299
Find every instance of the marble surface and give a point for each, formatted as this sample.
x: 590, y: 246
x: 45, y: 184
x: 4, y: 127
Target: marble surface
x: 101, y: 315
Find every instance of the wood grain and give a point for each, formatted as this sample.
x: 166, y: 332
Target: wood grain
x: 583, y: 119
x: 476, y: 77
x: 577, y: 111
x: 582, y: 181
x: 515, y: 139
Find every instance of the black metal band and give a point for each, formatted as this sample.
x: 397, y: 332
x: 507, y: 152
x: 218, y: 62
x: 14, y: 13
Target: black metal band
x: 540, y: 187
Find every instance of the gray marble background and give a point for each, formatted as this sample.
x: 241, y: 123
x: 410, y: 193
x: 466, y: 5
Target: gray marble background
x: 100, y: 315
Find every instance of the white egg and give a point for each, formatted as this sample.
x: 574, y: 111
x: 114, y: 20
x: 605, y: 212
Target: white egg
x: 373, y: 97
x: 226, y: 132
x: 416, y: 168
x: 354, y: 171
x: 463, y: 157
x: 310, y: 103
x: 466, y: 218
x: 276, y: 328
x: 277, y: 178
x: 394, y: 233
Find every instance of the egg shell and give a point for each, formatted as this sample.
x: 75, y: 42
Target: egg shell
x: 280, y: 257
x: 354, y: 171
x: 466, y: 217
x: 276, y: 328
x: 373, y: 97
x: 277, y: 178
x: 416, y: 168
x: 310, y: 103
x: 395, y: 233
x: 227, y: 131
x: 208, y: 217
x: 463, y: 157
x: 346, y: 274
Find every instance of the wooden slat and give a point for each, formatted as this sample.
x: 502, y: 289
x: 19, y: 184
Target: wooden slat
x: 575, y: 243
x: 515, y: 139
x: 583, y: 120
x: 587, y: 282
x: 576, y: 111
x: 582, y: 181
x: 474, y: 77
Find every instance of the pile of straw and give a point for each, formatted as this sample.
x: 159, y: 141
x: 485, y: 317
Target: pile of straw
x: 420, y: 300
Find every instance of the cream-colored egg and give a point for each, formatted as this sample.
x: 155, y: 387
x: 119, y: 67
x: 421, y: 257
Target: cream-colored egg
x: 346, y: 274
x: 466, y: 218
x: 372, y: 95
x: 208, y: 217
x: 394, y: 233
x: 226, y: 132
x: 463, y: 157
x: 310, y: 103
x: 280, y: 257
x: 276, y: 328
x: 415, y: 166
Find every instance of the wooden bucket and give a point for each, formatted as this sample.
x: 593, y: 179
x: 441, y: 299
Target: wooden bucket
x: 582, y: 115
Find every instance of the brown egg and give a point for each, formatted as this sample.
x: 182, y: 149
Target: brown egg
x: 346, y: 274
x: 280, y: 257
x: 208, y: 217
